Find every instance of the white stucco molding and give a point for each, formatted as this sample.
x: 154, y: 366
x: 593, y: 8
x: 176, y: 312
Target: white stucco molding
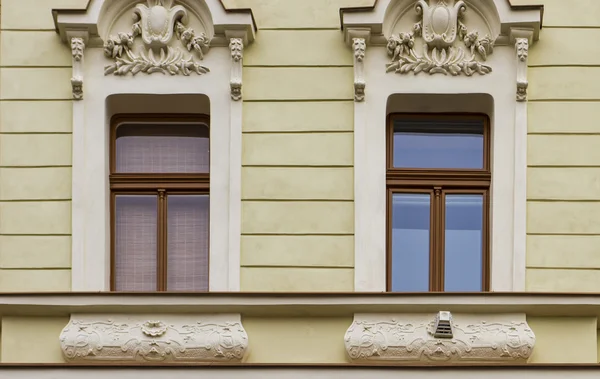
x: 170, y: 79
x: 154, y: 338
x: 413, y: 338
x: 481, y: 78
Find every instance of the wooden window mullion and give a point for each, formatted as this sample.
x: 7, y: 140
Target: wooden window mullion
x: 161, y: 241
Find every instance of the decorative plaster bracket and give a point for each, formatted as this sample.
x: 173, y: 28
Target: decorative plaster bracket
x: 522, y: 39
x: 504, y: 338
x: 77, y: 51
x: 236, y: 46
x: 157, y: 338
x: 357, y: 39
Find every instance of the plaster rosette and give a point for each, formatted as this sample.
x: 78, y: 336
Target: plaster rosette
x: 423, y: 338
x: 155, y: 338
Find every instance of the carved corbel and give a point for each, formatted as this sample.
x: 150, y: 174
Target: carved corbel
x: 236, y: 46
x: 522, y: 48
x: 357, y: 39
x: 359, y: 46
x: 77, y: 51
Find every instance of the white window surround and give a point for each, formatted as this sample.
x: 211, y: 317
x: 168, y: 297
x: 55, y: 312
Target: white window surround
x: 501, y: 94
x: 101, y: 96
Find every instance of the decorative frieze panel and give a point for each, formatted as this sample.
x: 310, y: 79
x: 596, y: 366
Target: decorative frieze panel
x: 157, y: 338
x: 421, y: 338
x: 157, y: 23
x: 448, y: 46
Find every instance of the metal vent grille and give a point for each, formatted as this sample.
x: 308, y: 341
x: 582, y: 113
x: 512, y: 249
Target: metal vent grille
x: 443, y: 325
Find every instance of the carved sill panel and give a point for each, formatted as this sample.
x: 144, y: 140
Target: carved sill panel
x: 167, y: 338
x: 410, y: 338
x: 440, y: 26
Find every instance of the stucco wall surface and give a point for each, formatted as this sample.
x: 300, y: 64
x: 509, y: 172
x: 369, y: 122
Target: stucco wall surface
x: 563, y: 253
x: 35, y: 148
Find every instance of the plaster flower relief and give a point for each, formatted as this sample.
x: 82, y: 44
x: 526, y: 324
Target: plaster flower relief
x: 157, y: 23
x: 403, y: 340
x: 442, y: 30
x: 212, y: 339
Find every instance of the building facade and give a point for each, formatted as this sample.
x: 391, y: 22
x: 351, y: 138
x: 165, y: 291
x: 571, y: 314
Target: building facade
x: 299, y: 188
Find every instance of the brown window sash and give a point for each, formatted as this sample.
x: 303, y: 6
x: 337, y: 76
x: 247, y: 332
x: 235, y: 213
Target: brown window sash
x: 438, y: 183
x: 159, y: 184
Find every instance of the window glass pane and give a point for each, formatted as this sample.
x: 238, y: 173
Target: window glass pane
x: 135, y: 243
x: 410, y: 242
x: 463, y: 243
x: 422, y: 143
x: 159, y: 148
x: 187, y: 242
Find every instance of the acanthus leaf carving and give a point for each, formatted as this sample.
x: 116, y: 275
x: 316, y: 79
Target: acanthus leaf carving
x: 411, y: 339
x: 208, y: 338
x: 157, y: 23
x: 440, y: 26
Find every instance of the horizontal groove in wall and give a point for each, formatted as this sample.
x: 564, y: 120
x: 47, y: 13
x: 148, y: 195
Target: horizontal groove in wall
x: 562, y: 65
x: 533, y: 200
x: 340, y: 267
x: 35, y: 201
x: 58, y: 99
x: 294, y: 166
x: 570, y: 27
x: 296, y: 234
x: 54, y: 166
x: 558, y: 100
x: 299, y: 29
x: 298, y: 66
x: 563, y: 234
x: 35, y: 235
x: 298, y: 200
x: 563, y: 166
x: 316, y: 131
x: 564, y: 268
x: 20, y: 133
x: 28, y: 30
x: 298, y: 100
x: 34, y: 268
x: 28, y: 66
x: 562, y: 133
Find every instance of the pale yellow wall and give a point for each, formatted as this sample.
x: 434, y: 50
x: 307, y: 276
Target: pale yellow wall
x: 297, y: 340
x: 297, y: 187
x: 35, y: 149
x: 564, y: 339
x: 563, y: 253
x: 32, y: 339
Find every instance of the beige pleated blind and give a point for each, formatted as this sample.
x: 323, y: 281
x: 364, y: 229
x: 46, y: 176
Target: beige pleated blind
x: 161, y: 232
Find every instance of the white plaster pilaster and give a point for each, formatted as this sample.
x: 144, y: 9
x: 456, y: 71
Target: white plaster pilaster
x: 522, y: 39
x: 77, y: 41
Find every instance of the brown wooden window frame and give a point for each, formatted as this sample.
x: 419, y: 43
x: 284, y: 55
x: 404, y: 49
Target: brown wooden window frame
x: 159, y: 184
x: 439, y: 183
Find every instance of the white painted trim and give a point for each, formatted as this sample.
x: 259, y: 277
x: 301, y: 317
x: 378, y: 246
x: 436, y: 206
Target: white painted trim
x: 108, y: 95
x: 493, y: 94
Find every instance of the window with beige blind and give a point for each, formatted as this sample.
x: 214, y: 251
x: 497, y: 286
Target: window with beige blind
x: 159, y: 180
